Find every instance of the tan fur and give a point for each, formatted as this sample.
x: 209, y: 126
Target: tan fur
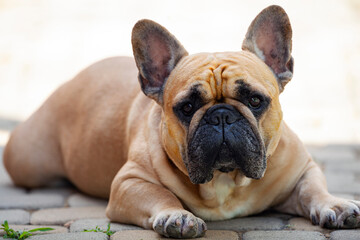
x: 82, y: 122
x: 96, y: 125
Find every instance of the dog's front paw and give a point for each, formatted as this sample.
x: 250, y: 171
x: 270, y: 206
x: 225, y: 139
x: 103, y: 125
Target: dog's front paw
x: 336, y: 213
x: 179, y: 224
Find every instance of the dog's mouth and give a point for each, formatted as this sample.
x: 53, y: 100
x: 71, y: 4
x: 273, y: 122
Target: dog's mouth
x: 226, y: 169
x: 224, y: 161
x: 225, y: 147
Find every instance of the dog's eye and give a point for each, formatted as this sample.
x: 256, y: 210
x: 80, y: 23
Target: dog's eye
x: 187, y: 109
x: 254, y: 102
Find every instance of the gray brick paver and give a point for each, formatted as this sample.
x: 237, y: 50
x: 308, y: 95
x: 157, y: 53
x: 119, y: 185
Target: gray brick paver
x: 342, y: 182
x: 345, y: 234
x: 7, y: 189
x: 282, y: 235
x: 81, y: 200
x: 275, y: 214
x: 341, y: 166
x: 63, y: 191
x: 16, y: 216
x: 31, y: 201
x: 60, y: 216
x: 333, y: 153
x: 80, y: 225
x: 303, y: 224
x: 71, y: 236
x: 248, y: 223
x: 345, y: 195
x: 151, y: 235
x: 345, y: 147
x: 8, y: 124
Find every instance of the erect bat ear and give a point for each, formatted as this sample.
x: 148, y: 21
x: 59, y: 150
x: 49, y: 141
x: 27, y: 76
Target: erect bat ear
x: 269, y: 37
x: 156, y: 53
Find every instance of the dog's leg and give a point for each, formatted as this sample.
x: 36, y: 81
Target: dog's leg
x: 150, y: 205
x: 32, y: 156
x: 311, y: 199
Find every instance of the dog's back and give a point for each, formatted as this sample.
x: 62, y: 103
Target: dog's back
x: 83, y: 114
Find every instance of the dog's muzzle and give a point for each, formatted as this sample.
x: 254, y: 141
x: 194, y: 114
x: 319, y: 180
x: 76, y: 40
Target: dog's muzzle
x: 224, y: 140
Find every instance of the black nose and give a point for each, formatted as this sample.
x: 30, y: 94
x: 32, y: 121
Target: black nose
x: 222, y: 114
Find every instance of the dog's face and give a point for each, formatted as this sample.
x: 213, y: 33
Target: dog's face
x: 221, y: 111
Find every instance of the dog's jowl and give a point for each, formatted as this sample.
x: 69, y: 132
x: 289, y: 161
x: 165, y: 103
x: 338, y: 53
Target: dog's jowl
x: 168, y: 131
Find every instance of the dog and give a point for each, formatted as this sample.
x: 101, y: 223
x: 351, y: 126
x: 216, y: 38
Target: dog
x: 200, y: 138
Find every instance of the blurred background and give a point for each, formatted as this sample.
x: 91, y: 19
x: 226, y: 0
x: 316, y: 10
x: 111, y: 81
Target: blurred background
x: 44, y: 43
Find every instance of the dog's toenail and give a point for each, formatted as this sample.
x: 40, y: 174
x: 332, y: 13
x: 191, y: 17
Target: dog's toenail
x: 313, y: 220
x: 204, y: 227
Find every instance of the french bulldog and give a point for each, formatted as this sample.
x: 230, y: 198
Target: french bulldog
x: 202, y: 136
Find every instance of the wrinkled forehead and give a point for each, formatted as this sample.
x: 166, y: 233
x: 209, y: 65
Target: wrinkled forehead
x: 217, y: 74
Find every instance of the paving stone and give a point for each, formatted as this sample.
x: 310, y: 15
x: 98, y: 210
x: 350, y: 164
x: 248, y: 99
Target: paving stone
x: 32, y: 201
x: 136, y: 235
x: 60, y: 216
x: 333, y: 153
x: 80, y: 225
x: 339, y: 166
x: 71, y: 236
x: 4, y: 177
x: 8, y: 124
x: 63, y: 191
x: 345, y: 196
x: 281, y: 235
x: 351, y: 147
x: 300, y: 223
x: 81, y: 200
x: 220, y: 234
x: 57, y: 229
x: 275, y: 214
x: 345, y: 234
x: 8, y: 189
x: 151, y: 235
x: 342, y: 182
x: 247, y: 223
x: 16, y: 216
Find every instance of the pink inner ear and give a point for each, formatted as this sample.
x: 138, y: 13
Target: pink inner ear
x: 269, y: 41
x: 160, y: 55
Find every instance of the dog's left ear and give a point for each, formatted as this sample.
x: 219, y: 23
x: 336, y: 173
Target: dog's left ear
x: 156, y: 53
x: 269, y: 37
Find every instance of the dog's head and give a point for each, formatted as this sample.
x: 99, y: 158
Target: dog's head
x: 221, y: 111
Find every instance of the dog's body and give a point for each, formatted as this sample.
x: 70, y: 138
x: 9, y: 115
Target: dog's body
x: 155, y: 155
x: 87, y: 116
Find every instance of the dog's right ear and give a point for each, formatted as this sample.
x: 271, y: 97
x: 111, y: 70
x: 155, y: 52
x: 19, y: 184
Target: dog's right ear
x: 156, y: 53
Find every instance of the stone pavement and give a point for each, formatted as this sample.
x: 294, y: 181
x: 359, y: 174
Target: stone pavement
x: 69, y: 212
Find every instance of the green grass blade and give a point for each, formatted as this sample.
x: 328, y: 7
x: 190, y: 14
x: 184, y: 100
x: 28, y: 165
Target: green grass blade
x: 40, y: 229
x: 24, y: 235
x: 5, y: 225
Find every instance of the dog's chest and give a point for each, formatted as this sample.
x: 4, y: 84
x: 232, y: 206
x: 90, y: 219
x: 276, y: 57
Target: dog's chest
x: 222, y: 197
